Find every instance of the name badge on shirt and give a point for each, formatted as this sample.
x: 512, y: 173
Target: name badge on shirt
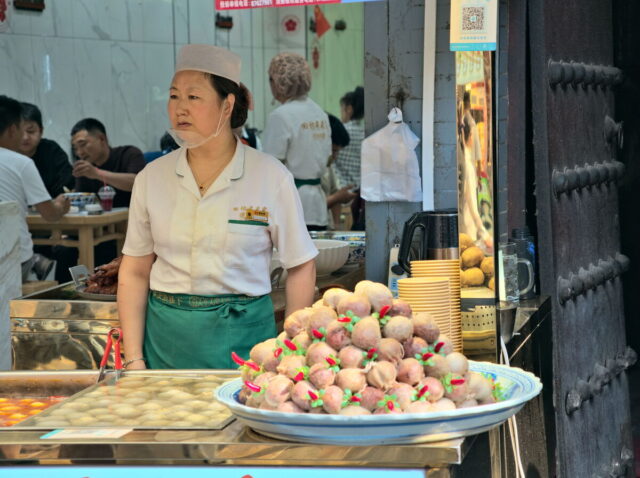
x: 257, y: 216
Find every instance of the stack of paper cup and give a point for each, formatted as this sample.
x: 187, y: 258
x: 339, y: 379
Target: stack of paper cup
x: 432, y: 295
x: 448, y: 269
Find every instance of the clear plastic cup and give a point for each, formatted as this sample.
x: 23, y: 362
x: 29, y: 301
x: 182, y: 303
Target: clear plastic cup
x: 106, y: 195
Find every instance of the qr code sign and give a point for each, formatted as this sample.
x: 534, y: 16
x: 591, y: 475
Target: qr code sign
x: 472, y: 19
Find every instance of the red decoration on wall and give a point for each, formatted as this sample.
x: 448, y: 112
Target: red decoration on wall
x: 290, y: 24
x: 316, y: 57
x: 322, y: 24
x: 3, y: 9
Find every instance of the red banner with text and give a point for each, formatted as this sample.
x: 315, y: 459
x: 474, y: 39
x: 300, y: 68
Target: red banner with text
x: 240, y: 4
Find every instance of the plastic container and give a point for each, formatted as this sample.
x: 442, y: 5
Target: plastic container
x: 106, y: 195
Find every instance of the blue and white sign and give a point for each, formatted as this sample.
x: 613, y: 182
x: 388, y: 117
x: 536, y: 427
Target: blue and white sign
x: 474, y: 25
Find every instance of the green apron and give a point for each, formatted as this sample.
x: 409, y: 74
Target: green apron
x: 307, y: 182
x: 194, y: 331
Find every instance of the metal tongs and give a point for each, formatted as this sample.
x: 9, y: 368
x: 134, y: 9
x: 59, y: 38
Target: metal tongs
x: 117, y: 359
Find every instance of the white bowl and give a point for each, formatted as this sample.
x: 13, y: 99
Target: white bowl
x: 518, y: 387
x: 332, y: 255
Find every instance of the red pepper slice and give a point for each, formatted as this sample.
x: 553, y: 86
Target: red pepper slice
x: 330, y: 361
x: 317, y: 334
x: 457, y: 381
x: 344, y: 319
x: 371, y: 352
x: 355, y: 399
x: 252, y: 365
x: 277, y: 352
x: 290, y: 345
x: 252, y: 386
x: 299, y: 377
x: 390, y: 405
x: 312, y: 395
x: 426, y: 356
x: 384, y: 310
x: 438, y: 346
x: 423, y: 390
x: 237, y: 359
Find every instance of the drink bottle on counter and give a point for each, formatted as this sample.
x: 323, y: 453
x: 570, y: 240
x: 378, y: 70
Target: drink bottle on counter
x: 525, y: 249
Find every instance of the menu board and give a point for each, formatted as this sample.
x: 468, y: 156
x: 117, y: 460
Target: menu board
x: 242, y: 4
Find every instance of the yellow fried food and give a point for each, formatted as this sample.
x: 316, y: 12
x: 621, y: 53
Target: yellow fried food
x: 473, y: 277
x: 471, y: 257
x: 492, y: 283
x: 465, y: 241
x: 487, y: 266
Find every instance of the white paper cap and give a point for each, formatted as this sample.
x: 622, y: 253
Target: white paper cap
x: 209, y: 59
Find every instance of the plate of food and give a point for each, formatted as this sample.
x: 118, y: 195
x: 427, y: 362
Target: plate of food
x: 101, y: 285
x: 517, y: 386
x: 361, y: 368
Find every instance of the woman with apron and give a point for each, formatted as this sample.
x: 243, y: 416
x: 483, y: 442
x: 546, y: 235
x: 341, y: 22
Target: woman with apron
x: 298, y: 133
x: 194, y: 281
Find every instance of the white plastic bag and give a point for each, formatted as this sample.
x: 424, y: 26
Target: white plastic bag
x: 389, y: 165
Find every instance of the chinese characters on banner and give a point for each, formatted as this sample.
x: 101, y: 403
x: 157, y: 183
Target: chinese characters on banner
x: 474, y: 25
x: 238, y: 4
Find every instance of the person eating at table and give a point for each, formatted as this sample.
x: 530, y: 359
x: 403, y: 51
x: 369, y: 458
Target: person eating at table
x: 50, y: 159
x: 204, y: 219
x: 99, y: 164
x: 21, y: 182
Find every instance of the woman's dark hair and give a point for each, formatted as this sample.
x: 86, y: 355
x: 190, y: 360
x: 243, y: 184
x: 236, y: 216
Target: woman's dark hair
x: 355, y: 99
x: 32, y: 113
x: 339, y: 134
x: 225, y: 87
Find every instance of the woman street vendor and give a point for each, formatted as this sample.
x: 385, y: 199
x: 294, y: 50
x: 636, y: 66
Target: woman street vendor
x: 204, y: 219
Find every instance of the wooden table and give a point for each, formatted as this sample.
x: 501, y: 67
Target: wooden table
x: 89, y: 230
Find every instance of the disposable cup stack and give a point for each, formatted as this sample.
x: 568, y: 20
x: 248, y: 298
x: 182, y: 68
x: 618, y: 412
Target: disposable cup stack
x: 444, y: 269
x: 431, y: 295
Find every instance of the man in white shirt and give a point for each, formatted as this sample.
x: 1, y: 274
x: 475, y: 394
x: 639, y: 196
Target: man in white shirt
x: 20, y: 180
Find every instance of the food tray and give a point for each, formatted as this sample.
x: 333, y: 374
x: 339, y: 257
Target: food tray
x: 518, y: 387
x: 142, y: 401
x: 93, y: 296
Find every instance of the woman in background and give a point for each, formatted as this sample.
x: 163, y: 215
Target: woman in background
x: 298, y: 133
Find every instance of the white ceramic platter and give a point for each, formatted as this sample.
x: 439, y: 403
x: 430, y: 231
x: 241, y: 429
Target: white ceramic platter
x: 518, y: 387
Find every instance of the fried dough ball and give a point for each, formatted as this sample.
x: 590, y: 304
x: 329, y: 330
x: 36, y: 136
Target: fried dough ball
x: 492, y: 283
x: 465, y: 241
x: 473, y: 277
x: 487, y: 266
x: 471, y: 257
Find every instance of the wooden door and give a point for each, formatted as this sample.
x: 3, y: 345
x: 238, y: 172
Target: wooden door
x: 575, y: 143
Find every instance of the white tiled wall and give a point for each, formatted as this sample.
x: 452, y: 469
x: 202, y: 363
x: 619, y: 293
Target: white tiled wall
x: 114, y: 59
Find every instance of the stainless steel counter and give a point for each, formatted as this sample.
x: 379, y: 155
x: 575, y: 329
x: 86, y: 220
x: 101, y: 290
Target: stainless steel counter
x: 233, y: 445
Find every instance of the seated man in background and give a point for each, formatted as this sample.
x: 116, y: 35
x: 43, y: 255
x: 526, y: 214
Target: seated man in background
x: 99, y: 163
x: 21, y: 182
x: 50, y: 159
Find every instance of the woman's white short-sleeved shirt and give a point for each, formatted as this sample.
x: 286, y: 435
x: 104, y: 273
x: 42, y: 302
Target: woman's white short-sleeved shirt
x: 298, y: 133
x: 220, y: 243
